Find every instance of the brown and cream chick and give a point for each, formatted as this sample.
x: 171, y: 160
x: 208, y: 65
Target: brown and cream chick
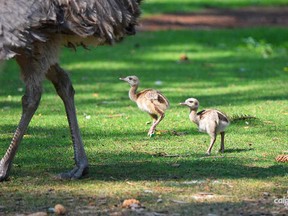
x: 210, y: 121
x: 149, y: 100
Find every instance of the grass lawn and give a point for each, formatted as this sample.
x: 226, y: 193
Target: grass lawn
x: 237, y: 71
x: 166, y: 6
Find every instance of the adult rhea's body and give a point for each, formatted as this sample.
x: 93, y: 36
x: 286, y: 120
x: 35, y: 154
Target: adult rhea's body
x: 33, y: 31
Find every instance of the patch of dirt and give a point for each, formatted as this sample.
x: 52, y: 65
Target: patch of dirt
x: 218, y: 18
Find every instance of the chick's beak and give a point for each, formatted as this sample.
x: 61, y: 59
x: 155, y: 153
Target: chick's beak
x: 122, y: 78
x: 182, y: 103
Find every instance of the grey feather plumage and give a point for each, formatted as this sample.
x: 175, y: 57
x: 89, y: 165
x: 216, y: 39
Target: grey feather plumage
x: 32, y: 31
x: 23, y: 22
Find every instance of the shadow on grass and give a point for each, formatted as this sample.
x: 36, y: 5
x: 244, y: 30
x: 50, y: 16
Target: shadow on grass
x: 238, y: 150
x: 139, y: 166
x: 190, y: 168
x: 133, y: 164
x: 122, y: 168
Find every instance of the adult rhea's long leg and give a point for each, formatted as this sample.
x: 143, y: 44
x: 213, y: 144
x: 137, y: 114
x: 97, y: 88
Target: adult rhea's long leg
x: 30, y: 102
x: 64, y: 88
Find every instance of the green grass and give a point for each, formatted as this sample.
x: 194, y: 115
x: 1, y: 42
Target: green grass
x: 166, y: 6
x: 226, y: 70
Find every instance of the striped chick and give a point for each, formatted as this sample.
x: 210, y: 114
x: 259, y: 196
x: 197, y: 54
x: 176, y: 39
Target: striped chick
x: 209, y: 121
x: 149, y: 100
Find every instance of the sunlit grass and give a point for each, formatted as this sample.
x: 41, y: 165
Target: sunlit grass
x: 222, y: 72
x: 166, y: 6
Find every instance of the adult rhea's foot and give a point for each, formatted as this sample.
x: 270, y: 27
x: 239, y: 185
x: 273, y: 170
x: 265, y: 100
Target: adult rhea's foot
x: 75, y: 173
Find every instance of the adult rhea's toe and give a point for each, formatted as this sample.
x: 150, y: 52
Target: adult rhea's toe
x: 3, y: 174
x: 75, y: 173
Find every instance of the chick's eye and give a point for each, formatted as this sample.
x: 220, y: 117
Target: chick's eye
x: 191, y: 101
x: 130, y: 78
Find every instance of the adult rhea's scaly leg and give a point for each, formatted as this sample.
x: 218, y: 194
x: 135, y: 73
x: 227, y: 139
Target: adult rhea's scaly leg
x: 30, y: 102
x: 64, y: 88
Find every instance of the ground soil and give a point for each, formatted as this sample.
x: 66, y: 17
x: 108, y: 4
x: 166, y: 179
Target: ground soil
x: 218, y: 18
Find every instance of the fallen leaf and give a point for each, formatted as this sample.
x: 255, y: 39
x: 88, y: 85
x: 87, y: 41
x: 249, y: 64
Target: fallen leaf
x: 60, y: 209
x: 129, y: 203
x: 183, y: 59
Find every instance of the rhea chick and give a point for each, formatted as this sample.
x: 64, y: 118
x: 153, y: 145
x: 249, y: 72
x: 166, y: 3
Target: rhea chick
x: 148, y: 100
x: 210, y: 121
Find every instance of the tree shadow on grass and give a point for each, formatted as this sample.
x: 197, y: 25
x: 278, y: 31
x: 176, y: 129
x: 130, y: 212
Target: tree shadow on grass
x: 238, y: 150
x: 140, y: 166
x: 188, y: 169
x: 131, y: 161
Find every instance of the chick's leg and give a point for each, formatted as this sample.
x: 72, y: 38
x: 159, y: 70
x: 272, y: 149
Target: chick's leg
x: 153, y: 127
x: 222, y: 142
